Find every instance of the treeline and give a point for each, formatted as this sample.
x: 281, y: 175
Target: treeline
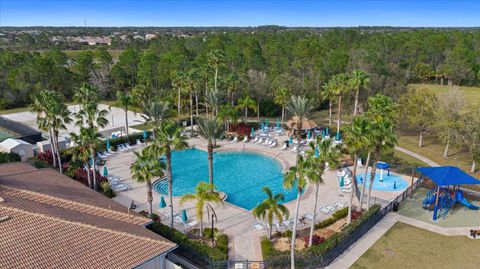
x: 249, y: 64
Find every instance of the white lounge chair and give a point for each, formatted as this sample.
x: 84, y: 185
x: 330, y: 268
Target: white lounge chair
x: 267, y: 142
x: 274, y: 144
x: 120, y: 148
x: 284, y: 147
x: 294, y: 148
x: 106, y: 153
x: 255, y: 139
x: 260, y: 140
x: 235, y: 139
x: 257, y: 226
x: 139, y: 143
x: 127, y: 146
x: 245, y: 139
x: 120, y: 187
x: 308, y: 216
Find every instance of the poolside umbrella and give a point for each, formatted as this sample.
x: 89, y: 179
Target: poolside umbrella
x: 342, y: 182
x: 316, y: 152
x: 162, y: 202
x: 290, y: 140
x: 266, y: 122
x: 105, y: 171
x: 278, y: 124
x: 184, y: 216
x: 108, y: 144
x: 326, y: 131
x: 323, y: 134
x: 308, y: 134
x: 262, y: 126
x: 252, y: 133
x: 145, y: 135
x: 338, y: 136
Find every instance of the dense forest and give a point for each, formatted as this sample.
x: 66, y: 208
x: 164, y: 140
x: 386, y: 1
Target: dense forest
x: 248, y: 63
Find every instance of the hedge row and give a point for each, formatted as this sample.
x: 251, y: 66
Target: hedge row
x: 342, y: 213
x: 316, y: 252
x: 11, y: 157
x: 199, y: 249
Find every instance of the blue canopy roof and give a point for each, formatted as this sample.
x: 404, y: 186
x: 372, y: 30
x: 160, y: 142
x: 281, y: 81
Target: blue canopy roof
x: 448, y: 175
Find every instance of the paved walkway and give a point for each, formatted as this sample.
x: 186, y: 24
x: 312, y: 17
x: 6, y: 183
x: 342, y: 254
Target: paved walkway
x: 416, y: 155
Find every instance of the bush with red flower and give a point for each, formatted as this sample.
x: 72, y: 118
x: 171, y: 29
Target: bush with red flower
x: 46, y: 156
x: 316, y: 240
x: 241, y: 129
x: 356, y: 215
x: 81, y: 175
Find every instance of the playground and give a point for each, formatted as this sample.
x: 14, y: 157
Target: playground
x: 447, y: 204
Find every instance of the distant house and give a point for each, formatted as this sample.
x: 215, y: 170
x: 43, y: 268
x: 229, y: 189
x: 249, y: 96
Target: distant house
x: 22, y: 148
x: 46, y: 146
x: 150, y: 36
x: 93, y: 40
x: 48, y: 220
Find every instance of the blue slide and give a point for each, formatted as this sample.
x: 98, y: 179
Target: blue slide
x: 459, y: 197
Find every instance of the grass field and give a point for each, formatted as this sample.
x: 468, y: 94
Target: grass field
x: 472, y: 94
x: 405, y: 246
x: 74, y: 53
x: 14, y: 110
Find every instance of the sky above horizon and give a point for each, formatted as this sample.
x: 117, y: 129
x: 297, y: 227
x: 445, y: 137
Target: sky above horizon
x: 414, y: 13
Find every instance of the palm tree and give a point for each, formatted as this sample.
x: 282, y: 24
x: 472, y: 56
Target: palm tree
x: 144, y: 169
x: 296, y: 176
x: 245, y: 104
x: 191, y: 87
x: 269, y: 208
x: 210, y: 130
x: 179, y: 83
x: 203, y: 197
x: 228, y: 114
x: 154, y: 112
x: 216, y: 58
x: 168, y: 137
x: 87, y: 142
x: 125, y: 101
x: 339, y: 88
x: 328, y: 94
x: 356, y: 140
x: 214, y: 100
x: 358, y: 80
x: 381, y: 115
x: 282, y: 96
x: 329, y: 154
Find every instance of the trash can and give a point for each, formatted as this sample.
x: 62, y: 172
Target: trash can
x: 395, y: 206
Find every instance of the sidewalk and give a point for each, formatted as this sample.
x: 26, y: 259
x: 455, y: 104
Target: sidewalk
x: 416, y: 155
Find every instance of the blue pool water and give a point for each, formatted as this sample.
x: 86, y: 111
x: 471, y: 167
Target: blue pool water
x: 387, y: 183
x: 241, y: 175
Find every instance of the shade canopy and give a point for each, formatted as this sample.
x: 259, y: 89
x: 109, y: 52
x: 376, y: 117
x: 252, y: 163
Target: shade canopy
x: 184, y: 216
x: 448, y: 175
x: 105, y: 171
x: 162, y: 202
x: 306, y: 124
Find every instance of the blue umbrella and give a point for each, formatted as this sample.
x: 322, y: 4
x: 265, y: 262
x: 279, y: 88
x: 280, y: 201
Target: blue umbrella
x: 308, y: 134
x: 338, y: 136
x: 105, y: 171
x: 108, y: 144
x: 290, y: 141
x: 252, y: 133
x: 266, y: 122
x: 278, y: 124
x: 184, y: 216
x: 262, y: 126
x: 145, y: 135
x: 323, y: 134
x: 162, y: 202
x: 326, y: 131
x: 342, y: 182
x: 316, y: 152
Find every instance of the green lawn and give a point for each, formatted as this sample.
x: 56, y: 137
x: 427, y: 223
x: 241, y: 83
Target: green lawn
x: 14, y: 110
x: 405, y: 246
x: 472, y: 94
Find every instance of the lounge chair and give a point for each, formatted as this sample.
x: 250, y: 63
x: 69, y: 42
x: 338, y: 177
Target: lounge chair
x: 120, y: 187
x: 284, y: 147
x: 106, y: 153
x: 325, y: 210
x: 245, y: 139
x: 255, y: 139
x: 111, y: 152
x: 257, y: 226
x: 139, y: 143
x: 308, y: 216
x: 274, y: 144
x: 294, y: 149
x: 103, y: 157
x: 121, y: 148
x: 127, y: 146
x: 235, y: 139
x: 260, y: 140
x: 267, y: 142
x: 339, y: 206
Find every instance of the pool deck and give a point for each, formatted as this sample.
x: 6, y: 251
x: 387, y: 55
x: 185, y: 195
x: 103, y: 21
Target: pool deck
x: 233, y: 220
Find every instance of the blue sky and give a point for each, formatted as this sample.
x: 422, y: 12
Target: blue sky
x: 240, y: 12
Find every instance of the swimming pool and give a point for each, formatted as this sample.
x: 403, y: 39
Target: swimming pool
x: 387, y: 184
x: 241, y: 175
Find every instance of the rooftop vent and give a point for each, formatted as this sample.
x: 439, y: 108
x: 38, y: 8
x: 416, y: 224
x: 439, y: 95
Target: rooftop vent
x: 4, y: 218
x: 2, y: 200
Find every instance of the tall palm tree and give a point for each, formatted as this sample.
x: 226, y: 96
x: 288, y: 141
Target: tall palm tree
x: 214, y: 100
x: 144, y: 169
x: 270, y: 208
x: 60, y: 115
x: 356, y: 140
x: 328, y: 153
x: 339, y: 87
x: 154, y: 112
x: 87, y: 143
x: 245, y: 104
x: 210, y: 130
x: 203, y: 197
x: 358, y: 80
x: 328, y: 94
x: 216, y: 58
x: 40, y: 106
x: 282, y: 96
x: 126, y: 101
x: 168, y: 137
x: 296, y: 177
x: 179, y: 83
x: 381, y: 114
x: 191, y: 87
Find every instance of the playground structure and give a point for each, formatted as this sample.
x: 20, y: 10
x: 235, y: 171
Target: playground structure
x: 447, y: 193
x: 447, y: 199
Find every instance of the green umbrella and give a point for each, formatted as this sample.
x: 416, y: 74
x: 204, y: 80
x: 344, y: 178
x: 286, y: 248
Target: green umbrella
x: 184, y: 216
x: 105, y: 171
x: 162, y: 202
x: 342, y: 182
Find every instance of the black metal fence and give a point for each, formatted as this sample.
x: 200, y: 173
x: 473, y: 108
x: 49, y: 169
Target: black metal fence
x: 21, y: 130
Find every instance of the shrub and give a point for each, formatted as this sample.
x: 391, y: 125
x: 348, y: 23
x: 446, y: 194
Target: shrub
x: 81, y: 175
x: 107, y: 190
x: 207, y: 232
x: 6, y: 157
x: 287, y: 233
x: 38, y: 163
x: 186, y: 244
x: 342, y: 213
x: 316, y: 240
x: 154, y: 217
x: 46, y: 156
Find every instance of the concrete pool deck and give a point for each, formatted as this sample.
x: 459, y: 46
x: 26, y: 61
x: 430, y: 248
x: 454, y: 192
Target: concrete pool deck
x: 233, y: 220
